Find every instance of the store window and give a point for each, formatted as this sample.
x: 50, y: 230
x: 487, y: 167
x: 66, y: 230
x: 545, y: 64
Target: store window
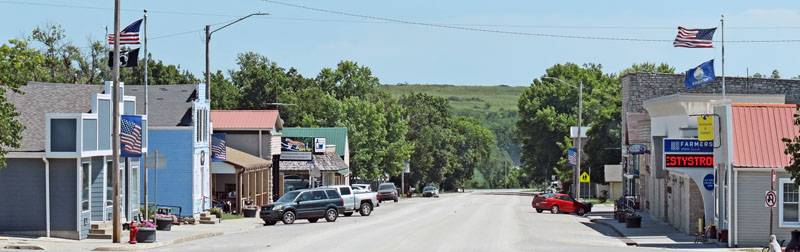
x: 788, y: 198
x: 85, y: 187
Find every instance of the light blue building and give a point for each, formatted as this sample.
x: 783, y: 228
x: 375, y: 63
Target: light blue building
x: 59, y: 181
x: 180, y: 130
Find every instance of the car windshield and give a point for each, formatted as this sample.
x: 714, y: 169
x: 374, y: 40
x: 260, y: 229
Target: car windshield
x: 386, y: 187
x: 429, y: 189
x: 288, y: 197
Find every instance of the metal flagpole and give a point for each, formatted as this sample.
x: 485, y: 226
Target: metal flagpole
x: 722, y: 21
x: 144, y: 155
x: 115, y: 135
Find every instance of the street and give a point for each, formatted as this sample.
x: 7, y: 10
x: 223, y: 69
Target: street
x: 454, y: 222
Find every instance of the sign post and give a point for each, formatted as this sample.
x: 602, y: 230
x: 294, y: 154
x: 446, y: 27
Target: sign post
x: 770, y: 200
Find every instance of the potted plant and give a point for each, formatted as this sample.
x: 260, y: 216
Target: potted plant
x: 603, y: 196
x: 633, y: 221
x: 147, y: 232
x: 217, y: 212
x: 164, y: 221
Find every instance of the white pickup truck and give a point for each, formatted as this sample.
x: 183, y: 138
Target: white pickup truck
x: 363, y: 202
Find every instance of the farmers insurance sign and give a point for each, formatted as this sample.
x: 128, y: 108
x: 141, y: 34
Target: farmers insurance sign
x: 688, y: 153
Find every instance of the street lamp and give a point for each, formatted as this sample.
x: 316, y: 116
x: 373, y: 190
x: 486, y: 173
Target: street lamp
x: 208, y: 39
x: 576, y: 176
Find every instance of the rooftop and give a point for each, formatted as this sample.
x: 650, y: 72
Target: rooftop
x: 170, y: 105
x: 757, y: 133
x: 244, y: 160
x: 246, y: 119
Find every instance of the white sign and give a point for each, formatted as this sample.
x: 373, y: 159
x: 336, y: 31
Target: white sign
x: 296, y: 155
x: 770, y: 199
x: 319, y: 145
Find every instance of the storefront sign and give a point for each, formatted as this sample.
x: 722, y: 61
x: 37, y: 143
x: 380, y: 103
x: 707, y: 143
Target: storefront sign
x: 688, y: 145
x: 682, y: 160
x: 705, y: 128
x: 708, y: 182
x: 637, y: 149
x: 319, y: 145
x: 296, y: 156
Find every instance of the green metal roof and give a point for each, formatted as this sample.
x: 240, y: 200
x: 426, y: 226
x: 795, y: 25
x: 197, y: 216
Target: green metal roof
x: 335, y: 135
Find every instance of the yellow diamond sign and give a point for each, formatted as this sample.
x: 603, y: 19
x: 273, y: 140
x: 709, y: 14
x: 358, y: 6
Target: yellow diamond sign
x: 585, y: 177
x: 705, y: 128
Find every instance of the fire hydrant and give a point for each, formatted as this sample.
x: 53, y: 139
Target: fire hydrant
x: 133, y: 230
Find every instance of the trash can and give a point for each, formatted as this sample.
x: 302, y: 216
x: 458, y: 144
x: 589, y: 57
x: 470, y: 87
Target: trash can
x: 633, y: 221
x: 164, y: 224
x: 249, y: 212
x: 146, y: 235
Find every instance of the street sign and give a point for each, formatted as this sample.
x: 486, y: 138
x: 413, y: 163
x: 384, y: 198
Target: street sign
x: 708, y: 182
x: 156, y: 160
x: 585, y: 177
x: 770, y: 199
x: 705, y: 128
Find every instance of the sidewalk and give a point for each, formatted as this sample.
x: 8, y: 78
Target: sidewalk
x: 178, y: 234
x: 653, y: 233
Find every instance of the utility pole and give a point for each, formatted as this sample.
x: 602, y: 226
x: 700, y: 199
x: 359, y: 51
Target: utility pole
x: 580, y: 116
x: 115, y: 135
x: 208, y: 40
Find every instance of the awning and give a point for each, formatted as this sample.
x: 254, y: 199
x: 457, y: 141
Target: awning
x: 344, y: 172
x: 330, y: 161
x: 239, y: 160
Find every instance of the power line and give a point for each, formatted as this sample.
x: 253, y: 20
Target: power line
x: 506, y: 32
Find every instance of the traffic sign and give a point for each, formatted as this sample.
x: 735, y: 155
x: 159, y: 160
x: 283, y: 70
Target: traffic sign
x: 585, y: 177
x: 770, y: 199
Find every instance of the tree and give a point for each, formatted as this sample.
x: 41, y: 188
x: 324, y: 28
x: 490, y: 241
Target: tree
x: 348, y: 80
x: 367, y: 137
x: 429, y: 129
x: 224, y: 95
x: 474, y: 143
x: 18, y: 64
x: 649, y: 67
x: 758, y: 75
x: 793, y: 150
x: 775, y: 74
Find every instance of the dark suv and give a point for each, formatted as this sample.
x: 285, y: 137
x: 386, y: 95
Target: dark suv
x: 387, y: 191
x: 310, y: 204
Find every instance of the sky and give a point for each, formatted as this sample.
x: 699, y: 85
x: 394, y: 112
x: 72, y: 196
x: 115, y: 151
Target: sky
x: 310, y: 40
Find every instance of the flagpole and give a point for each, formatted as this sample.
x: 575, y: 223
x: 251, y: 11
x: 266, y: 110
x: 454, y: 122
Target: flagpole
x: 115, y: 238
x: 144, y: 154
x: 722, y: 21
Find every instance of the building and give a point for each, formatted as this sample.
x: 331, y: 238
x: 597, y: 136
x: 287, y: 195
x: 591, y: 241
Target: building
x: 180, y: 130
x: 336, y: 136
x: 59, y: 180
x: 613, y: 176
x: 250, y: 134
x: 657, y: 107
x: 302, y: 163
x: 745, y: 160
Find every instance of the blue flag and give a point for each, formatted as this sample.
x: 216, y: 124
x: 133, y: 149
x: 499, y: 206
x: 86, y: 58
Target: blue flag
x: 130, y: 136
x: 702, y: 74
x: 572, y: 157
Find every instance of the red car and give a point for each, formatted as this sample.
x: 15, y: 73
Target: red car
x: 559, y: 203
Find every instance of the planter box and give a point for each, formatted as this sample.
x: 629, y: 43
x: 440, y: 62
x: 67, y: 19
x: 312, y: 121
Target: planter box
x: 146, y: 235
x: 249, y: 212
x: 633, y: 221
x: 164, y: 224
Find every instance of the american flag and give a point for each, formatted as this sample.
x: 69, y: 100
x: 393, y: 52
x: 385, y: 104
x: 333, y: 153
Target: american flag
x: 694, y: 38
x: 218, y: 151
x: 572, y: 156
x: 131, y: 136
x: 129, y: 35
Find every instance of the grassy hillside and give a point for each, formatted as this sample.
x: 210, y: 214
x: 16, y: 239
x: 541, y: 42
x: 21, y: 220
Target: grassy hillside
x: 466, y: 97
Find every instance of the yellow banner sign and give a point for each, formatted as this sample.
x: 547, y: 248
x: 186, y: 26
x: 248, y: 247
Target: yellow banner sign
x: 585, y: 177
x: 705, y: 128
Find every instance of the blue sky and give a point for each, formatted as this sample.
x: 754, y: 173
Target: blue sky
x: 309, y: 40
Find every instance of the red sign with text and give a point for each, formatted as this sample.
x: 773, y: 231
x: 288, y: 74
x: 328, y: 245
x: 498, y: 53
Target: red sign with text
x: 679, y: 160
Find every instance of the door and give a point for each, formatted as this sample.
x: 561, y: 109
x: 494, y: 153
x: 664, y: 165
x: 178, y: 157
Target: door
x: 320, y: 200
x: 565, y: 203
x: 305, y: 205
x: 348, y: 197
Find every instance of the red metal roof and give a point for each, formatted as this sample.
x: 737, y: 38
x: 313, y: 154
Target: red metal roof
x: 757, y: 133
x: 244, y: 119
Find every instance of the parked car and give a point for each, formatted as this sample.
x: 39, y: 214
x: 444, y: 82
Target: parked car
x: 558, y: 203
x: 387, y: 191
x: 430, y: 191
x: 363, y: 202
x: 359, y: 188
x: 310, y: 204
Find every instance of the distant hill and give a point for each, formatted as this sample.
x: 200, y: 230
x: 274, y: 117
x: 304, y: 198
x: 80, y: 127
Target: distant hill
x: 465, y: 97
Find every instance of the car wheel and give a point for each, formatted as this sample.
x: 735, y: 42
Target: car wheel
x: 331, y: 214
x: 581, y: 211
x: 554, y: 209
x: 313, y: 220
x: 395, y: 199
x: 366, y: 209
x: 348, y: 214
x: 539, y: 210
x: 269, y: 223
x: 289, y: 217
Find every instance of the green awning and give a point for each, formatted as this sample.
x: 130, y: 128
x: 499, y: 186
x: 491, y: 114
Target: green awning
x: 344, y: 172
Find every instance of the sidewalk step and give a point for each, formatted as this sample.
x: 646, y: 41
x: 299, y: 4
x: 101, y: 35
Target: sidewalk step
x: 211, y: 218
x: 101, y: 225
x: 99, y: 236
x: 207, y: 222
x: 99, y: 231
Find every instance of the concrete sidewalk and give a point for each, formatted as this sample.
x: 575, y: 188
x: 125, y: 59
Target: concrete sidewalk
x: 653, y: 233
x: 178, y: 234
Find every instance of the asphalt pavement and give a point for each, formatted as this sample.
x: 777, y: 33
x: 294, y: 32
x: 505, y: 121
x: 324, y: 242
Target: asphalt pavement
x: 454, y: 222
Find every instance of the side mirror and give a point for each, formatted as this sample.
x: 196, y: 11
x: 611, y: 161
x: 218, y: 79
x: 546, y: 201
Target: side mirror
x: 298, y: 200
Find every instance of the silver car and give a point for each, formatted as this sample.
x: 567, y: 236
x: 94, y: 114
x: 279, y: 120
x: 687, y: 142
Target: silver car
x: 430, y: 191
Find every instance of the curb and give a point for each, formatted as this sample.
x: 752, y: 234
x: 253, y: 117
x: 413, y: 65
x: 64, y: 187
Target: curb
x: 621, y: 237
x: 24, y: 246
x: 158, y: 244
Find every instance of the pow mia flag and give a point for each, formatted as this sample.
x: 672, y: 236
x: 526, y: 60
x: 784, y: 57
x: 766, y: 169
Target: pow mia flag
x: 126, y: 58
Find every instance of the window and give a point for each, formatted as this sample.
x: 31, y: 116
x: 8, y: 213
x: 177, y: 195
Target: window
x: 788, y: 204
x: 333, y: 195
x: 85, y: 186
x: 319, y: 195
x: 109, y: 183
x: 345, y: 191
x: 306, y: 196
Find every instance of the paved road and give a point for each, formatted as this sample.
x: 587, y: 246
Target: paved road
x: 454, y: 222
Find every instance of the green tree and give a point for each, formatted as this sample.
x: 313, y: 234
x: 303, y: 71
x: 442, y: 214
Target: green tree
x: 649, y: 67
x: 348, y: 80
x: 793, y: 150
x: 758, y: 75
x: 18, y: 64
x: 224, y: 95
x: 473, y: 144
x: 775, y: 74
x: 367, y: 136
